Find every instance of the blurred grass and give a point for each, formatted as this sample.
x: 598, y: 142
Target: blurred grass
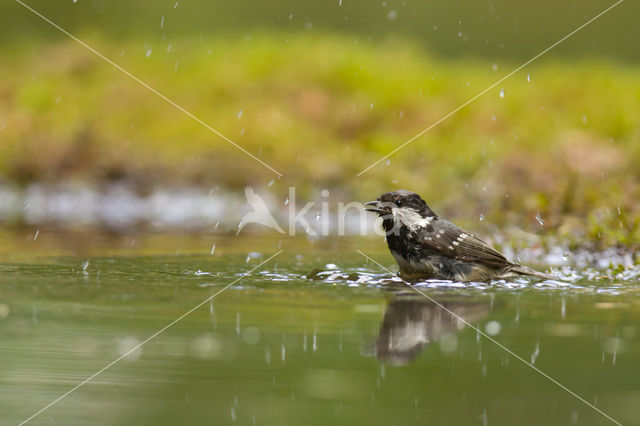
x: 563, y: 143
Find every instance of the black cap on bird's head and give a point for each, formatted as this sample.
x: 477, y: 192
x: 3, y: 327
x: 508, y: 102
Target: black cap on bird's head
x: 402, y: 199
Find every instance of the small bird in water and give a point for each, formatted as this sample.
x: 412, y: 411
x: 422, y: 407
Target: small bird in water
x: 427, y: 246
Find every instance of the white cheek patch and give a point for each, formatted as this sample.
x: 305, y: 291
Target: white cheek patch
x: 410, y: 218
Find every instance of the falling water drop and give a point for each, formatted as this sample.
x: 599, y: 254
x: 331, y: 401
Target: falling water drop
x: 535, y: 353
x: 502, y: 93
x: 314, y: 345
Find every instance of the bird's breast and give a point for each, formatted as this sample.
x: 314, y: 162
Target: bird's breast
x: 410, y: 266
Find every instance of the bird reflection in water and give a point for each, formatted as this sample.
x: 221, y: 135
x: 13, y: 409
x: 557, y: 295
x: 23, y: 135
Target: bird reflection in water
x: 413, y: 322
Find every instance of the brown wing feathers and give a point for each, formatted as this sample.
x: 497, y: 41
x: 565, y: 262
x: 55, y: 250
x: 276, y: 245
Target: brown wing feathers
x: 458, y: 244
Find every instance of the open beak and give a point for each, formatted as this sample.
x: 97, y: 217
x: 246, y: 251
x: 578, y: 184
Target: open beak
x: 372, y: 206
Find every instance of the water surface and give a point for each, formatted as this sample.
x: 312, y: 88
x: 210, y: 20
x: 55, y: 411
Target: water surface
x: 316, y: 336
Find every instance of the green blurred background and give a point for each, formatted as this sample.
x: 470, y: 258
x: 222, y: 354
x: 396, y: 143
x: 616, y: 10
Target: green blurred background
x: 321, y: 90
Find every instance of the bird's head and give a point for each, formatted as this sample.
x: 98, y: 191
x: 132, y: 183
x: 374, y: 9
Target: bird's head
x: 400, y: 207
x: 401, y: 199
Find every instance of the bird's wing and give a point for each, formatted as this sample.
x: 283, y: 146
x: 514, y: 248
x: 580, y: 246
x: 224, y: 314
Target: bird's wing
x: 255, y: 200
x: 456, y: 243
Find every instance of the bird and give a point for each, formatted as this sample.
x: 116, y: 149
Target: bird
x: 426, y: 246
x: 260, y: 213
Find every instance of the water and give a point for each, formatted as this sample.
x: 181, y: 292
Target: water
x: 316, y: 336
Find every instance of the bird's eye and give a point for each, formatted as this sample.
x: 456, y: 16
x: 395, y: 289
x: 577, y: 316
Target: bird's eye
x: 399, y: 203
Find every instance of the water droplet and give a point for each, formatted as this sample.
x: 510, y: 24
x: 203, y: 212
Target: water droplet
x: 286, y: 201
x: 392, y: 15
x: 146, y: 55
x: 239, y: 114
x: 494, y: 67
x: 493, y: 328
x: 129, y: 347
x: 529, y: 78
x: 539, y: 219
x: 213, y: 249
x: 502, y: 93
x: 253, y: 255
x: 481, y: 217
x: 535, y: 353
x: 162, y: 22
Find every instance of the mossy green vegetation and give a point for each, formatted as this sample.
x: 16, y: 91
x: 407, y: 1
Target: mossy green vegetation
x: 558, y: 140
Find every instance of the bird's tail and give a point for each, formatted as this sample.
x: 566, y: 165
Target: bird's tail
x: 523, y: 270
